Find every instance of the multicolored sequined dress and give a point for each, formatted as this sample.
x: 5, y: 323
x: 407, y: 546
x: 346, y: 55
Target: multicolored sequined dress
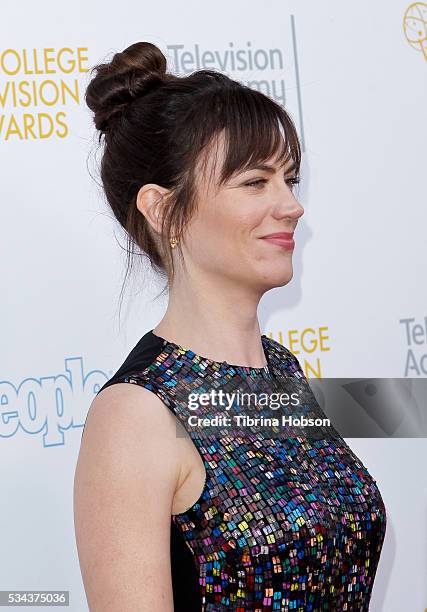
x: 289, y: 523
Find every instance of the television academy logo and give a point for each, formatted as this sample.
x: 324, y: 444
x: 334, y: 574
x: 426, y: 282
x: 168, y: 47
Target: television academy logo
x: 415, y: 334
x: 415, y: 27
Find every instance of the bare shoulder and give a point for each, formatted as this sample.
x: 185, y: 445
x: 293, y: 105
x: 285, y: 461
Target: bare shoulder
x: 122, y: 406
x: 125, y: 479
x: 130, y: 426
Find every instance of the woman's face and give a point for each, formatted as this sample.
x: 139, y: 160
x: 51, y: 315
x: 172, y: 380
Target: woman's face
x: 226, y: 235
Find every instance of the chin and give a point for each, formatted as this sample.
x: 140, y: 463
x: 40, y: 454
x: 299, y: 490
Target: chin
x: 277, y: 276
x: 284, y: 280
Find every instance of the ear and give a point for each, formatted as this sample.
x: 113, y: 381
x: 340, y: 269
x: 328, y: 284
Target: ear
x: 150, y: 201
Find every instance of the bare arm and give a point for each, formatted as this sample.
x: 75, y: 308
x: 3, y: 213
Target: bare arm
x: 126, y: 475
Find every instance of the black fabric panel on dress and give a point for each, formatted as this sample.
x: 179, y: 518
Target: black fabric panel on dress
x: 142, y: 354
x: 185, y: 578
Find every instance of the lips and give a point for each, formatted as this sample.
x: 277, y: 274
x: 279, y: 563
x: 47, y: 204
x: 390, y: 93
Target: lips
x: 283, y: 235
x: 281, y: 239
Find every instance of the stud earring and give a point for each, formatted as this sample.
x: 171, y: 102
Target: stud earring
x: 173, y: 242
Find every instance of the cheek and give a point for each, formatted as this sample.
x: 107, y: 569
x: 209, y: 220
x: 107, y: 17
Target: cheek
x: 219, y: 228
x: 235, y: 234
x: 220, y: 241
x: 224, y: 235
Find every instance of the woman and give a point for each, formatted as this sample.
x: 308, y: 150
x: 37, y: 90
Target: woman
x: 200, y: 172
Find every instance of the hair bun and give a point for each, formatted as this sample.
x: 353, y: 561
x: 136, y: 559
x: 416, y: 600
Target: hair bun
x: 131, y: 74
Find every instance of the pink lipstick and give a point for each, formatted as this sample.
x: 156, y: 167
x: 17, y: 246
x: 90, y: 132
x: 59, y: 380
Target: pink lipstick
x: 282, y: 239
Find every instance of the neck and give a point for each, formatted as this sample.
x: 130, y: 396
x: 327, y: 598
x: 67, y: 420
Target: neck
x: 217, y: 320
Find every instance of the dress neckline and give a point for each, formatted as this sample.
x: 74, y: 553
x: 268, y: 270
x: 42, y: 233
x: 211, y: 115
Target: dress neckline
x: 248, y: 369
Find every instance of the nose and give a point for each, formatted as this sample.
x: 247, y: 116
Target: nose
x: 288, y: 207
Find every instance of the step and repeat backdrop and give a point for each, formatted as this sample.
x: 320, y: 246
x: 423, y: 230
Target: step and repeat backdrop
x: 353, y: 76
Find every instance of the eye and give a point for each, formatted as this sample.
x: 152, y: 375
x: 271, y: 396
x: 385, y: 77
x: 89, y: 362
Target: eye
x: 256, y: 183
x: 293, y: 180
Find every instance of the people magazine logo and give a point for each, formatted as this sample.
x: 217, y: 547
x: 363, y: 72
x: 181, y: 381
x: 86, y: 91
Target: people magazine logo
x: 50, y: 405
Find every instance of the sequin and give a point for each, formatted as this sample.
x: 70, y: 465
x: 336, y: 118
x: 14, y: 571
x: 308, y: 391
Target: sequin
x: 283, y: 523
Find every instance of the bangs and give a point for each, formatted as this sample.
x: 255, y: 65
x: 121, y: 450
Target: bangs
x: 254, y: 129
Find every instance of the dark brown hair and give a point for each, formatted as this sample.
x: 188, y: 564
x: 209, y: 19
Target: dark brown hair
x: 158, y: 128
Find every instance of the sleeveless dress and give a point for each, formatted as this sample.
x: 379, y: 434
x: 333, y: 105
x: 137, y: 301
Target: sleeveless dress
x: 290, y: 523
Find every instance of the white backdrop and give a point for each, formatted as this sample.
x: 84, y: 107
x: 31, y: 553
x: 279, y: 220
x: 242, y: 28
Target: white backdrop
x: 353, y: 77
